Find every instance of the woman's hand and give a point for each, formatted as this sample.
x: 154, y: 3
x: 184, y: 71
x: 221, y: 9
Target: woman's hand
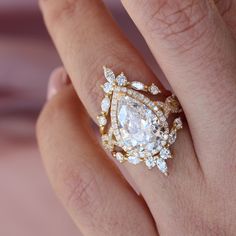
x: 194, y: 43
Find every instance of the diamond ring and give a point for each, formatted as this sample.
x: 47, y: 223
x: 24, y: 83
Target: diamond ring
x: 135, y: 128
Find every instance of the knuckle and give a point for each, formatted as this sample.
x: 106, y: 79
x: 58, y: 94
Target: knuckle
x: 56, y: 11
x: 179, y: 22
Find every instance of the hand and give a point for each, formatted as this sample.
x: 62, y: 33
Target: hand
x: 194, y: 43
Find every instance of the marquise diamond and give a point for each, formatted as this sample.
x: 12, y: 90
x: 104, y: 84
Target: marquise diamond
x: 105, y: 104
x: 137, y: 85
x: 161, y: 165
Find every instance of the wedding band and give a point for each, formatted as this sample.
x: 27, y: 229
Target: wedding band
x: 135, y: 128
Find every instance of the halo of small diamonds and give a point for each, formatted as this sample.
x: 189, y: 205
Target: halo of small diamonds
x: 135, y: 128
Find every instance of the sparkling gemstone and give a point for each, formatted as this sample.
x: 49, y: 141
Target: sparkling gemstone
x: 172, y: 137
x: 178, y: 123
x: 150, y: 162
x: 165, y: 153
x: 107, y: 87
x: 155, y: 108
x: 121, y: 80
x: 109, y: 75
x: 119, y: 157
x: 165, y: 136
x: 173, y: 104
x: 137, y: 126
x: 153, y: 89
x: 105, y: 105
x: 159, y: 113
x: 137, y: 85
x: 134, y: 159
x: 102, y: 120
x: 161, y: 164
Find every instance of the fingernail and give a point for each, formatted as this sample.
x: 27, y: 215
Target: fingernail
x: 57, y: 81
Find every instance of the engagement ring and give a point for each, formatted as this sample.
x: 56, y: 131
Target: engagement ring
x: 134, y: 127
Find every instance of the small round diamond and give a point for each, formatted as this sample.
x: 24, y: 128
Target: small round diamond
x: 165, y: 137
x: 102, y: 120
x: 178, y: 123
x: 159, y: 113
x: 121, y: 80
x: 165, y: 153
x: 124, y: 89
x: 105, y: 105
x: 150, y: 162
x: 153, y: 89
x: 155, y: 108
x: 119, y: 157
x: 134, y: 159
x: 162, y: 119
x: 107, y: 87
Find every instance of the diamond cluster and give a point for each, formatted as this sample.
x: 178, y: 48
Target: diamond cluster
x: 138, y: 130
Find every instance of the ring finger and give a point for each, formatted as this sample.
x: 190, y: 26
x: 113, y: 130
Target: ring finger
x: 75, y: 26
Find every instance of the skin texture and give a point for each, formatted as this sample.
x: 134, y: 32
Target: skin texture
x: 194, y: 43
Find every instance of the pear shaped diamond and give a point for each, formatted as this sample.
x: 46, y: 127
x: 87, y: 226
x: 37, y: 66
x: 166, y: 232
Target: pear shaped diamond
x: 138, y: 126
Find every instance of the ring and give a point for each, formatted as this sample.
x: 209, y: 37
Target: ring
x: 135, y: 128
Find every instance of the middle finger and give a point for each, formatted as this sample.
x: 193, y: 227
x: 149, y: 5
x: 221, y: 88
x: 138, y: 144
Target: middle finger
x: 197, y: 52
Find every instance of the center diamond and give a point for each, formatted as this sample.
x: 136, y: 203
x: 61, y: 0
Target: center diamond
x: 138, y: 126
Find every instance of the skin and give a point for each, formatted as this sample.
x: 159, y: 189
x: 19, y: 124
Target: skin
x: 194, y: 43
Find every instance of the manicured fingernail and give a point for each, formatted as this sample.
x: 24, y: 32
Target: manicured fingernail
x: 57, y: 81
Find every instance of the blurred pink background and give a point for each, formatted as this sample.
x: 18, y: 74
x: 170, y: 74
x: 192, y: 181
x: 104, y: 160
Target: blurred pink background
x: 28, y: 207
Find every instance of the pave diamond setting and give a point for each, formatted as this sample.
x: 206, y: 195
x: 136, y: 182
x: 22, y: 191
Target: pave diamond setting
x: 138, y: 130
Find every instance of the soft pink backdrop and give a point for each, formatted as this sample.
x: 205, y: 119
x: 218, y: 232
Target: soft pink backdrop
x: 28, y: 206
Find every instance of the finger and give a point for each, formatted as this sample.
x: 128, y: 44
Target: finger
x: 87, y: 38
x: 227, y: 9
x: 89, y: 186
x: 57, y: 81
x: 198, y: 55
x: 167, y: 195
x: 82, y: 53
